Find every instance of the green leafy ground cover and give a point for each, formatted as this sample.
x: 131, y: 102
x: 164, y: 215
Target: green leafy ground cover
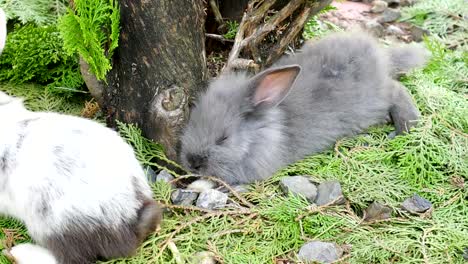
x: 432, y: 161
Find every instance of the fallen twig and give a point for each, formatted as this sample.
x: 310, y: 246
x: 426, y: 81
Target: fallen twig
x: 218, y: 37
x: 164, y: 245
x: 313, y: 208
x: 175, y: 252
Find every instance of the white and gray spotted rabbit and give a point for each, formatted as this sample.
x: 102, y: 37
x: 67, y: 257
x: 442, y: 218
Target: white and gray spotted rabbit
x: 245, y: 128
x: 75, y: 184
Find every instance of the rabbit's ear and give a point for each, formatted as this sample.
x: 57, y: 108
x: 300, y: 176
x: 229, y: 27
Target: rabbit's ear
x: 3, y: 29
x: 270, y: 87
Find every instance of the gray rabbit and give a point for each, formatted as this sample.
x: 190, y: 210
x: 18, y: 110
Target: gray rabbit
x: 245, y: 128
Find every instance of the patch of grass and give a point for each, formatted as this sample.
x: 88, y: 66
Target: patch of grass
x: 35, y: 54
x: 232, y: 27
x: 446, y: 19
x: 36, y: 98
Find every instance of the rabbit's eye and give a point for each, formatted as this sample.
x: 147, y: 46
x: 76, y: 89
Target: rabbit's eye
x: 221, y: 139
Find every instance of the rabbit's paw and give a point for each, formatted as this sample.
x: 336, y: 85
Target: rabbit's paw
x: 29, y: 254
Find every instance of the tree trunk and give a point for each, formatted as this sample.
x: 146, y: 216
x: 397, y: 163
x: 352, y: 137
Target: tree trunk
x: 159, y: 66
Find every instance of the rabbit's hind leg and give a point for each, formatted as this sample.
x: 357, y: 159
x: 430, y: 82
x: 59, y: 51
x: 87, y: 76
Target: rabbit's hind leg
x: 403, y: 111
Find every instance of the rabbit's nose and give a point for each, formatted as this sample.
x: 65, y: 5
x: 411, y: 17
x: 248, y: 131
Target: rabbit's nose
x: 196, y: 161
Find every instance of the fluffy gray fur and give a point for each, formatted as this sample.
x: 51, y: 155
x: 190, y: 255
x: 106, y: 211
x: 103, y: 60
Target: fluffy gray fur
x: 343, y: 85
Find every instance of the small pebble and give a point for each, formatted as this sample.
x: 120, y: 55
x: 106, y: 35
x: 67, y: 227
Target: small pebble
x: 389, y: 15
x: 201, y: 185
x: 150, y: 174
x: 417, y: 33
x: 416, y: 204
x: 299, y: 185
x: 212, y: 199
x: 184, y: 197
x: 328, y: 192
x: 377, y: 211
x: 164, y: 176
x: 375, y: 28
x: 318, y: 251
x: 378, y: 6
x: 394, y: 30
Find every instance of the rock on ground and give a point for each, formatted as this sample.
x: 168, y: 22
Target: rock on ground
x: 389, y: 15
x: 377, y: 211
x: 164, y: 176
x: 183, y: 197
x: 150, y: 174
x: 318, y: 251
x: 394, y: 30
x: 417, y: 33
x: 328, y: 192
x: 201, y: 185
x: 375, y: 28
x: 378, y: 6
x: 416, y: 204
x: 299, y: 185
x: 212, y: 199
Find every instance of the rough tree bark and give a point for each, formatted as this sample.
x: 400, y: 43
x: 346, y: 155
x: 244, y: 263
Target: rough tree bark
x: 159, y: 65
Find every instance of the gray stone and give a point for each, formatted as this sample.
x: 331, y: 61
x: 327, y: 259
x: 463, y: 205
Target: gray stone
x: 150, y: 174
x: 201, y: 185
x: 183, y: 197
x: 389, y: 15
x: 416, y: 204
x: 318, y: 251
x: 377, y: 211
x: 394, y: 30
x: 465, y: 254
x: 375, y: 28
x: 164, y: 176
x: 328, y: 192
x: 212, y: 199
x: 378, y: 6
x: 299, y: 185
x: 417, y: 33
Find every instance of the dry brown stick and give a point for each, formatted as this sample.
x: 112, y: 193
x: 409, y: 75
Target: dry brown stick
x: 272, y: 23
x: 218, y: 37
x: 423, y: 243
x: 236, y: 194
x: 313, y: 208
x: 217, y: 13
x: 240, y: 63
x: 291, y: 33
x: 295, y: 27
x: 190, y: 208
x: 175, y: 252
x: 164, y: 245
x: 237, y: 47
x: 250, y: 18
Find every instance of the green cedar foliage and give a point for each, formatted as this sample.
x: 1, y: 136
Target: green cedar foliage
x: 91, y: 29
x: 35, y: 54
